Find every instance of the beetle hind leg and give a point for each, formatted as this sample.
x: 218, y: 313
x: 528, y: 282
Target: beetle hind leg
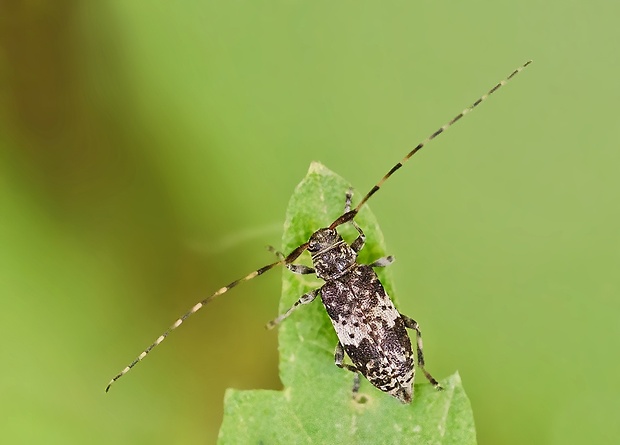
x: 412, y: 324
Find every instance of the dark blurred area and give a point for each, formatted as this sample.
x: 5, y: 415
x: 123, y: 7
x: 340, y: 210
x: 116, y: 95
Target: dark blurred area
x: 73, y: 144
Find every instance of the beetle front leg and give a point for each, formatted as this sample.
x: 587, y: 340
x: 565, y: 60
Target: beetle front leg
x: 358, y: 243
x: 295, y: 268
x: 384, y: 261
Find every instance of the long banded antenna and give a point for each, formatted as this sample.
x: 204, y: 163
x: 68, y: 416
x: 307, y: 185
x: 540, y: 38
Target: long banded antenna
x: 346, y: 217
x: 192, y: 311
x: 418, y: 147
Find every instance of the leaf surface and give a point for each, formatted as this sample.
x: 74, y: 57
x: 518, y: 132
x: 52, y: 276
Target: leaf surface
x: 316, y: 406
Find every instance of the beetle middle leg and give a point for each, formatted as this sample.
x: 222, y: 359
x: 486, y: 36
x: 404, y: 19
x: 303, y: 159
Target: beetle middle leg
x: 304, y: 299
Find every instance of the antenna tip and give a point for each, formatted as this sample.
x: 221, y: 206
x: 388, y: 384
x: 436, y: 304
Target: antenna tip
x: 107, y: 388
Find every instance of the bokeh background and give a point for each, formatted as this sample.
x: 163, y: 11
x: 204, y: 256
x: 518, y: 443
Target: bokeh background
x: 148, y: 150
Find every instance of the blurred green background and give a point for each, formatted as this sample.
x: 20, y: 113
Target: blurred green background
x: 148, y: 151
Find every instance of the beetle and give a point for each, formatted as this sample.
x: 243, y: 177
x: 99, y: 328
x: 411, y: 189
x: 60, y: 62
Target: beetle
x: 369, y: 328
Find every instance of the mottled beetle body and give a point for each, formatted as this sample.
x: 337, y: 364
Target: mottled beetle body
x: 369, y: 328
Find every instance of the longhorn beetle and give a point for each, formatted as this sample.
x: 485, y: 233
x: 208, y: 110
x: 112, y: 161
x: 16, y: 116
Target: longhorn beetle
x: 369, y: 328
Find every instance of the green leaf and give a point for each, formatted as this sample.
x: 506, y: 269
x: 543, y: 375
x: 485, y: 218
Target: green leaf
x: 316, y: 404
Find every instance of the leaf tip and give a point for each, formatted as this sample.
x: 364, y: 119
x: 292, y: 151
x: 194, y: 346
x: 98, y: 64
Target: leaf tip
x: 318, y: 168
